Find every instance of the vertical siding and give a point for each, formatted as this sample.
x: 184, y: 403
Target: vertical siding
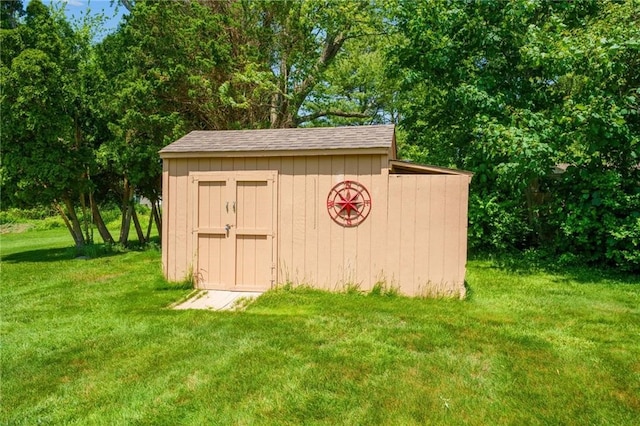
x: 336, y: 232
x: 182, y: 219
x: 414, y: 236
x: 410, y: 225
x: 299, y: 215
x: 427, y: 233
x: 422, y: 244
x: 451, y: 226
x: 165, y: 217
x: 363, y: 247
x: 394, y: 223
x: 325, y: 224
x: 437, y: 215
x: 463, y: 223
x: 286, y: 218
x: 312, y: 207
x: 379, y: 219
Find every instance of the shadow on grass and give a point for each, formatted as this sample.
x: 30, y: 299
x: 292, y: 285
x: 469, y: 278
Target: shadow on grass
x: 91, y: 251
x: 55, y: 255
x: 533, y: 262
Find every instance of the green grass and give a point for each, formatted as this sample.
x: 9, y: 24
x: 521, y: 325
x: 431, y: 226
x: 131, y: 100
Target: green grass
x: 93, y: 342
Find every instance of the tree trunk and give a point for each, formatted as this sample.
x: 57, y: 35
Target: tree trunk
x: 127, y: 206
x: 65, y: 218
x: 75, y: 223
x: 155, y: 209
x: 97, y: 219
x: 88, y: 228
x: 136, y: 223
x: 148, y: 238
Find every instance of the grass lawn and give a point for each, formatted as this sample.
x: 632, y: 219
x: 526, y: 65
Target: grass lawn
x: 92, y: 342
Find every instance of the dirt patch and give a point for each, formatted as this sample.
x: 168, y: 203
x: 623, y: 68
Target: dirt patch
x: 14, y: 228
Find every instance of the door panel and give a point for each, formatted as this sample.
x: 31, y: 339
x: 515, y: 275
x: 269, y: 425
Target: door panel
x: 254, y: 230
x: 235, y: 229
x: 252, y: 266
x: 211, y: 249
x: 212, y: 243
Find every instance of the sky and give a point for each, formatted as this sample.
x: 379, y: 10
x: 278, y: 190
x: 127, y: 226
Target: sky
x: 75, y: 9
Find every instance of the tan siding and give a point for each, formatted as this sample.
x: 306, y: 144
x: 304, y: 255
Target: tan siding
x: 336, y: 233
x: 363, y: 249
x: 437, y: 216
x: 299, y: 224
x: 394, y: 223
x: 325, y: 224
x: 379, y: 218
x: 408, y: 234
x: 239, y: 164
x: 182, y: 218
x: 285, y: 240
x: 204, y: 164
x: 263, y: 164
x: 165, y: 217
x: 351, y: 235
x: 423, y: 234
x: 463, y: 223
x: 313, y: 205
x: 451, y: 226
x: 414, y: 236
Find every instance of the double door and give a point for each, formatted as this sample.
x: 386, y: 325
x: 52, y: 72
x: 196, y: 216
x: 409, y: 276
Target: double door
x: 234, y: 230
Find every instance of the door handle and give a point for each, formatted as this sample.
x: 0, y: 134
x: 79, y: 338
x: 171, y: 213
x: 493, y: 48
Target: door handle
x: 234, y: 206
x: 227, y: 227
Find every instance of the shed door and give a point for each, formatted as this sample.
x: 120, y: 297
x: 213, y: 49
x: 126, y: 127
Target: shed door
x: 235, y: 230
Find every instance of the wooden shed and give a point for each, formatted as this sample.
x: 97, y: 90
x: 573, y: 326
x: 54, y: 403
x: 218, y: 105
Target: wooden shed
x: 328, y: 207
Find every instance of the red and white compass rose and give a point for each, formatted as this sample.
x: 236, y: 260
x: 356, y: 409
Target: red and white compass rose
x: 349, y: 203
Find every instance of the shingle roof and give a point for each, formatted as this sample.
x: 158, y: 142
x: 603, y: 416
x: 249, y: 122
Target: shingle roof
x: 314, y: 138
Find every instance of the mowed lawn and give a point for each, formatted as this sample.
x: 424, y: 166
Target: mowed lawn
x: 93, y: 342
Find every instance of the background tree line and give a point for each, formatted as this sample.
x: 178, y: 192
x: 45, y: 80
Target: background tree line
x: 539, y: 99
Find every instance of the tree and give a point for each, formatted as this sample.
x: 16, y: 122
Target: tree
x: 10, y: 12
x: 164, y: 65
x: 297, y: 45
x: 509, y: 90
x: 44, y: 157
x: 179, y: 66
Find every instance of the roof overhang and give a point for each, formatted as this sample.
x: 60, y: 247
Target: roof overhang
x: 406, y: 167
x: 275, y: 153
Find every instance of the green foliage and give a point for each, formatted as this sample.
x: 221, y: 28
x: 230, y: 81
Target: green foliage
x: 510, y: 90
x: 600, y: 218
x: 14, y: 215
x: 38, y: 112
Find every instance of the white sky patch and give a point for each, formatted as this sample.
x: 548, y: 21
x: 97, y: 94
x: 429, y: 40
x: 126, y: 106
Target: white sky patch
x: 77, y: 3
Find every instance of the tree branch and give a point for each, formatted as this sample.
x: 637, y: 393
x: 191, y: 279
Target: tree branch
x: 331, y: 48
x: 128, y: 4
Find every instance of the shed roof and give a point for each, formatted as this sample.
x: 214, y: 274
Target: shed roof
x: 407, y: 167
x: 271, y: 141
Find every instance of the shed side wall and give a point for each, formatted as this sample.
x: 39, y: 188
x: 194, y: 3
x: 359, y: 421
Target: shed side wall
x: 427, y: 235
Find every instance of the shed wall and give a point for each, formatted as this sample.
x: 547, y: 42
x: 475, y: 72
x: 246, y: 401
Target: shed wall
x: 427, y: 233
x: 311, y: 248
x: 414, y: 238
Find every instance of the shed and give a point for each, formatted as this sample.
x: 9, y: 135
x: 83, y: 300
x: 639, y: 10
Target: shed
x: 247, y: 210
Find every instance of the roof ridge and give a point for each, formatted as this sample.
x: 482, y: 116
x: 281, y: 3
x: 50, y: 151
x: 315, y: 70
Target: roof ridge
x: 291, y: 139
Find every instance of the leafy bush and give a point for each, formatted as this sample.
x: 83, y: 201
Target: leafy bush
x: 599, y: 217
x: 496, y: 224
x: 14, y: 215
